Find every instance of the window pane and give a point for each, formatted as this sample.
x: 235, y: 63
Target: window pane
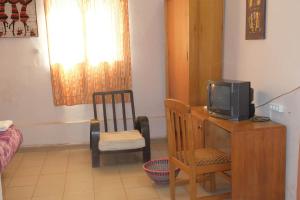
x: 66, y: 38
x: 104, y: 25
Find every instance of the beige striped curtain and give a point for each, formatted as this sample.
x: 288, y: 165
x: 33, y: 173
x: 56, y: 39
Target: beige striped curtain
x: 89, y: 48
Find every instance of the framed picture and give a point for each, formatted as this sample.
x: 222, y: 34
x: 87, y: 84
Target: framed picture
x: 18, y: 19
x: 256, y: 19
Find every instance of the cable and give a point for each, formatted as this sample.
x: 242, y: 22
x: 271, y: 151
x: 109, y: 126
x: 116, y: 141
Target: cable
x: 260, y: 119
x: 289, y: 92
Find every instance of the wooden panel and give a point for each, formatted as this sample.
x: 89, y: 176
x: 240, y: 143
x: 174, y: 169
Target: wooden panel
x: 177, y: 34
x: 206, y: 47
x: 197, y: 128
x: 258, y: 164
x: 217, y: 137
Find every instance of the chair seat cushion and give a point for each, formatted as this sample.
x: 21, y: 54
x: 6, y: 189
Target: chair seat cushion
x: 121, y: 140
x: 211, y: 156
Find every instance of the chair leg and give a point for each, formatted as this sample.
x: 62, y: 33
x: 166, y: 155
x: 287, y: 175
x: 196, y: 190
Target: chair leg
x: 212, y: 182
x: 146, y: 154
x: 90, y: 140
x: 95, y: 151
x: 95, y: 158
x: 193, y: 186
x: 172, y: 180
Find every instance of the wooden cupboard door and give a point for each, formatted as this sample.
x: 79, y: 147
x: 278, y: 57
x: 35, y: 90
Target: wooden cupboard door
x: 177, y: 42
x: 206, y: 46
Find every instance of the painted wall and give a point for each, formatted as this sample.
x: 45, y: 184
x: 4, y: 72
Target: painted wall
x: 272, y: 66
x: 25, y: 89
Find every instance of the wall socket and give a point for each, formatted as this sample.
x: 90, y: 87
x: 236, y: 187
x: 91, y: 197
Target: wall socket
x: 277, y: 107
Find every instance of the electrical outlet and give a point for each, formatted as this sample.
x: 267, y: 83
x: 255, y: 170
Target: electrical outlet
x: 277, y: 107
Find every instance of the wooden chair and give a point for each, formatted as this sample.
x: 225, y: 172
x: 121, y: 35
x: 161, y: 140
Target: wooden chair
x: 183, y: 154
x: 125, y: 140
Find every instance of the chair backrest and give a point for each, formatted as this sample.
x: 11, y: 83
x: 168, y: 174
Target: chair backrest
x: 180, y: 140
x: 114, y: 95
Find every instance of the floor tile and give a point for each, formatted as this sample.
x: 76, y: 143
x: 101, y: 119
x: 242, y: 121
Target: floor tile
x: 5, y: 181
x: 142, y: 193
x: 136, y: 181
x: 107, y: 172
x: 79, y: 176
x: 129, y: 170
x: 30, y: 171
x: 48, y: 198
x: 34, y: 156
x: 164, y: 192
x: 18, y: 181
x: 27, y: 163
x: 54, y: 168
x: 102, y: 184
x: 111, y: 194
x: 52, y: 180
x: 18, y: 193
x: 79, y: 167
x: 84, y: 196
x: 46, y: 190
x: 81, y: 187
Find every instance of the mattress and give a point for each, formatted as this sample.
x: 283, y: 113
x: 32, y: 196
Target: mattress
x: 10, y: 141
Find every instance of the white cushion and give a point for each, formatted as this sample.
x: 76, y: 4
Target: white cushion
x: 121, y: 140
x: 4, y: 125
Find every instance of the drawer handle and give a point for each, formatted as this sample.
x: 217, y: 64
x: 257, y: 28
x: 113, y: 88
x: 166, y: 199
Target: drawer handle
x: 200, y: 127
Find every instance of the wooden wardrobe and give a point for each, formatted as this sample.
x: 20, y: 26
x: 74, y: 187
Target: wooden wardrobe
x: 194, y: 48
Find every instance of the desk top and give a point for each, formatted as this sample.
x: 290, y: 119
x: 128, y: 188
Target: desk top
x: 233, y: 126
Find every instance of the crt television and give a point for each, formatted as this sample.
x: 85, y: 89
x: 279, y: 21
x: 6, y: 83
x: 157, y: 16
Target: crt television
x: 230, y: 99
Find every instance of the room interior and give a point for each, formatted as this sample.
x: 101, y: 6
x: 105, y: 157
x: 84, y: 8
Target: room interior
x: 54, y: 159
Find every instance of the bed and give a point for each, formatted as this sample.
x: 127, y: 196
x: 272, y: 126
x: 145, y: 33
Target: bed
x: 10, y: 141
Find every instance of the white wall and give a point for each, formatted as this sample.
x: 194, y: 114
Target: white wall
x: 272, y: 66
x: 25, y: 88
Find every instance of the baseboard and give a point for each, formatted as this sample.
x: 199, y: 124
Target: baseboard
x: 72, y: 146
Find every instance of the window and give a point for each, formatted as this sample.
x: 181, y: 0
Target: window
x: 88, y: 48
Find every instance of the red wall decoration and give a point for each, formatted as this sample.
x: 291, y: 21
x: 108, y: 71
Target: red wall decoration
x: 18, y: 19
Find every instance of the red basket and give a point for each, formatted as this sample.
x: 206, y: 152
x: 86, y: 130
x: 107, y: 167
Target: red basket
x: 158, y: 170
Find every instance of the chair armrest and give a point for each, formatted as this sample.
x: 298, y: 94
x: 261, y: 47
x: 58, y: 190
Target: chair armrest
x: 94, y: 134
x: 142, y: 124
x: 94, y: 125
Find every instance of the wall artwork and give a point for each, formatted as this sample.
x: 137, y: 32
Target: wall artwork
x: 256, y: 19
x: 18, y: 19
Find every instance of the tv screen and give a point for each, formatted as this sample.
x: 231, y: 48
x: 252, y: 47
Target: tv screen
x: 220, y: 98
x: 230, y: 99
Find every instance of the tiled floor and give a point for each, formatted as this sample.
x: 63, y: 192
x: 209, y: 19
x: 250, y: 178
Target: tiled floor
x: 66, y: 174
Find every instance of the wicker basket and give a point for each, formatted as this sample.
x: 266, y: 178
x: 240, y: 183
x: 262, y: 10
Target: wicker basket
x: 158, y: 170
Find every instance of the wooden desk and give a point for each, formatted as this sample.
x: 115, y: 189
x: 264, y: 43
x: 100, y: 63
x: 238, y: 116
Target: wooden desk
x: 258, y: 151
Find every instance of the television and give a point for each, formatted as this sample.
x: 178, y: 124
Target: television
x: 230, y: 99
